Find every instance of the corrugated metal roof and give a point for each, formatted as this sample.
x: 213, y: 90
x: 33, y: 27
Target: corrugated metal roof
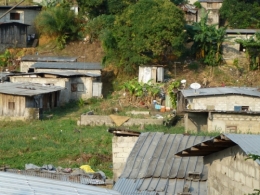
x: 249, y: 143
x: 242, y: 31
x: 67, y: 65
x: 11, y: 183
x: 77, y: 178
x: 159, y: 186
x: 27, y: 89
x: 153, y: 158
x: 64, y: 73
x: 21, y: 7
x: 247, y: 91
x: 37, y: 58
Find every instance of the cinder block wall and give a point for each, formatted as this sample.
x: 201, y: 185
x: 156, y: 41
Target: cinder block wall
x: 225, y: 103
x: 230, y: 174
x: 241, y: 122
x: 121, y: 148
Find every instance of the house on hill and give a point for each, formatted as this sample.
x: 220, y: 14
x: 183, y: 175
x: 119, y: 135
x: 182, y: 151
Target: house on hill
x: 75, y: 85
x: 233, y: 50
x: 28, y: 60
x: 228, y: 171
x: 17, y: 26
x: 21, y: 101
x: 212, y: 7
x: 21, y: 14
x: 152, y: 168
x: 221, y: 109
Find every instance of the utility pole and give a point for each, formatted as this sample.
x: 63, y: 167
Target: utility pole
x: 175, y: 68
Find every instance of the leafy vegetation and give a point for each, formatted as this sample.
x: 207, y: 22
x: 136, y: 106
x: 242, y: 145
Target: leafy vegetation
x: 241, y: 14
x: 145, y: 33
x: 5, y: 58
x: 60, y: 22
x: 207, y: 41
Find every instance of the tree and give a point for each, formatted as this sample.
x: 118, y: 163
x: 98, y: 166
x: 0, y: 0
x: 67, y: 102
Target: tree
x: 207, y: 41
x: 59, y: 22
x: 148, y: 31
x: 241, y: 13
x: 252, y: 45
x: 94, y: 8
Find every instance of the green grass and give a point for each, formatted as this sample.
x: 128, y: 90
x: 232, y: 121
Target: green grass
x: 59, y: 141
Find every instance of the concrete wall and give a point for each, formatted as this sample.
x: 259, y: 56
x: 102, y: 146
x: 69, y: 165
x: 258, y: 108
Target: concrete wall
x: 224, y: 103
x: 231, y: 48
x: 234, y: 123
x: 121, y: 148
x: 195, y: 122
x: 230, y: 174
x: 25, y: 65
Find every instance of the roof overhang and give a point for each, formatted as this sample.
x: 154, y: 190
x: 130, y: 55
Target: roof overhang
x: 207, y: 147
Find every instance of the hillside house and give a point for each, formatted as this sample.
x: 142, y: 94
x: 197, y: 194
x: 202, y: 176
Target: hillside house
x: 190, y: 13
x: 212, y: 7
x: 74, y: 85
x: 28, y: 60
x: 233, y: 50
x: 21, y: 101
x: 222, y: 109
x: 152, y: 168
x: 17, y: 26
x: 228, y: 171
x: 21, y: 14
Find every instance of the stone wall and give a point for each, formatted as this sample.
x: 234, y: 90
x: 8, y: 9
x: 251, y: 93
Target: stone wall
x: 225, y: 102
x: 234, y: 123
x: 230, y: 174
x: 121, y: 148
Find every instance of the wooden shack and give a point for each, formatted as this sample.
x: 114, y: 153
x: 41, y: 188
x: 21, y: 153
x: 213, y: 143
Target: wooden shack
x: 13, y: 35
x: 20, y: 101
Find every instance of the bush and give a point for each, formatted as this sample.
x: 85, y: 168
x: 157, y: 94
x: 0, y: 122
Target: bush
x: 193, y: 66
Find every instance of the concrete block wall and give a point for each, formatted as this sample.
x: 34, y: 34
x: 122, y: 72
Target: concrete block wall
x: 225, y: 103
x: 121, y: 148
x: 242, y: 122
x: 230, y: 174
x: 25, y: 65
x: 106, y: 120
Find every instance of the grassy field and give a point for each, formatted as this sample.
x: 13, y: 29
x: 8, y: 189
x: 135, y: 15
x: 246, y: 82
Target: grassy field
x: 60, y: 142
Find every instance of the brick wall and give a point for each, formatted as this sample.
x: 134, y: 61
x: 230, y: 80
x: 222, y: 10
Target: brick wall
x: 230, y: 174
x: 121, y: 148
x: 225, y: 103
x: 234, y: 123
